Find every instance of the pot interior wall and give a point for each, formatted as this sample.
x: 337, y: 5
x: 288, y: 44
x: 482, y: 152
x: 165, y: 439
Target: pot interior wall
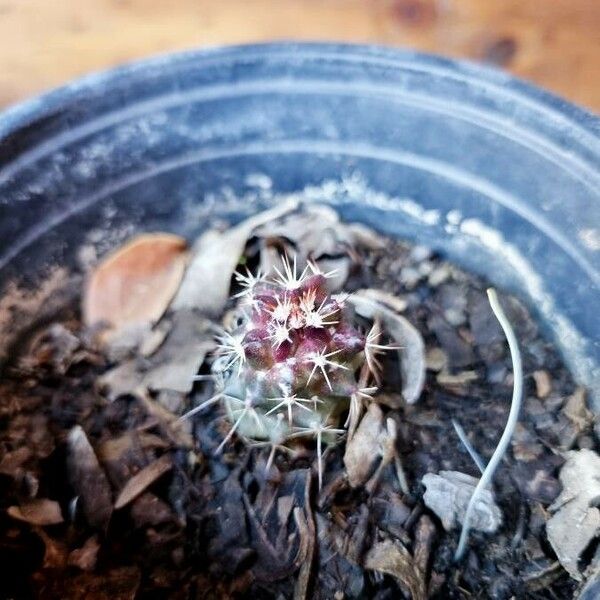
x: 500, y: 177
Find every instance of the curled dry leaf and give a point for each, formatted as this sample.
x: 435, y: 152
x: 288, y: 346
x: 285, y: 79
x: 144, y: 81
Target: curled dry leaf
x: 40, y: 511
x: 395, y: 560
x: 88, y: 479
x: 315, y: 232
x: 576, y: 519
x: 448, y: 494
x: 412, y: 347
x: 131, y: 288
x: 142, y: 480
x: 216, y: 256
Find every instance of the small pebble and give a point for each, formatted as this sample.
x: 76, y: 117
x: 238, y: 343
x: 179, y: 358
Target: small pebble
x: 455, y: 317
x: 436, y: 359
x: 410, y: 277
x: 438, y: 275
x: 586, y: 442
x: 543, y: 383
x: 420, y: 253
x: 496, y: 373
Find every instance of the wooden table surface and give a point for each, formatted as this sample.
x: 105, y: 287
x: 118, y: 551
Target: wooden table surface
x: 554, y: 43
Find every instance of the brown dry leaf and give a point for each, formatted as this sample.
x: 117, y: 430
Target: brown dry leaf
x: 40, y: 511
x: 412, y: 347
x: 576, y: 519
x: 208, y: 277
x: 88, y: 479
x: 146, y: 477
x: 133, y: 287
x: 395, y: 560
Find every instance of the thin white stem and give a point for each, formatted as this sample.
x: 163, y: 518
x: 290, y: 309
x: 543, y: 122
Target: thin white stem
x: 511, y: 423
x: 462, y: 436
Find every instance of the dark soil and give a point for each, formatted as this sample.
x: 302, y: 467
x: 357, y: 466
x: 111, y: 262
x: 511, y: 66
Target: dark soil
x: 204, y: 526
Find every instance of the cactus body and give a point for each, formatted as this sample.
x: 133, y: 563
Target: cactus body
x: 294, y: 362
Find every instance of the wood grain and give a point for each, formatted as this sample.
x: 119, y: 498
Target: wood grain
x: 554, y: 43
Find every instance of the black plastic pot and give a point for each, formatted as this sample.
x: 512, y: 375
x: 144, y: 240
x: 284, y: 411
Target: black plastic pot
x: 501, y: 176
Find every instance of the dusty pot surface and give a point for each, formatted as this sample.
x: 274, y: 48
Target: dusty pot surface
x: 499, y: 175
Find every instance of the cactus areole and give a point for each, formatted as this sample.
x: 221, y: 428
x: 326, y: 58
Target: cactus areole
x: 294, y: 362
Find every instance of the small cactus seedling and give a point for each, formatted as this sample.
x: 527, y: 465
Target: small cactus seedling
x: 294, y: 362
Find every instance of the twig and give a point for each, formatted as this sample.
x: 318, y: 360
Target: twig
x: 511, y: 422
x: 462, y: 436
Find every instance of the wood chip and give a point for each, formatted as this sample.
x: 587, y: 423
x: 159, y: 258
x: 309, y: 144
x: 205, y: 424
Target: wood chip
x: 89, y: 480
x: 142, y: 480
x: 543, y: 383
x: 85, y: 558
x: 40, y: 511
x: 395, y: 560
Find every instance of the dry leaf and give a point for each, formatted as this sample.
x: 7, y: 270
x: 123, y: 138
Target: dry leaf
x: 412, y: 348
x: 315, y: 232
x: 88, y: 479
x: 364, y: 448
x: 121, y: 380
x: 448, y: 494
x: 394, y: 302
x: 395, y: 560
x: 133, y: 287
x: 181, y: 355
x: 576, y: 521
x: 208, y: 276
x: 40, y: 511
x: 146, y: 477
